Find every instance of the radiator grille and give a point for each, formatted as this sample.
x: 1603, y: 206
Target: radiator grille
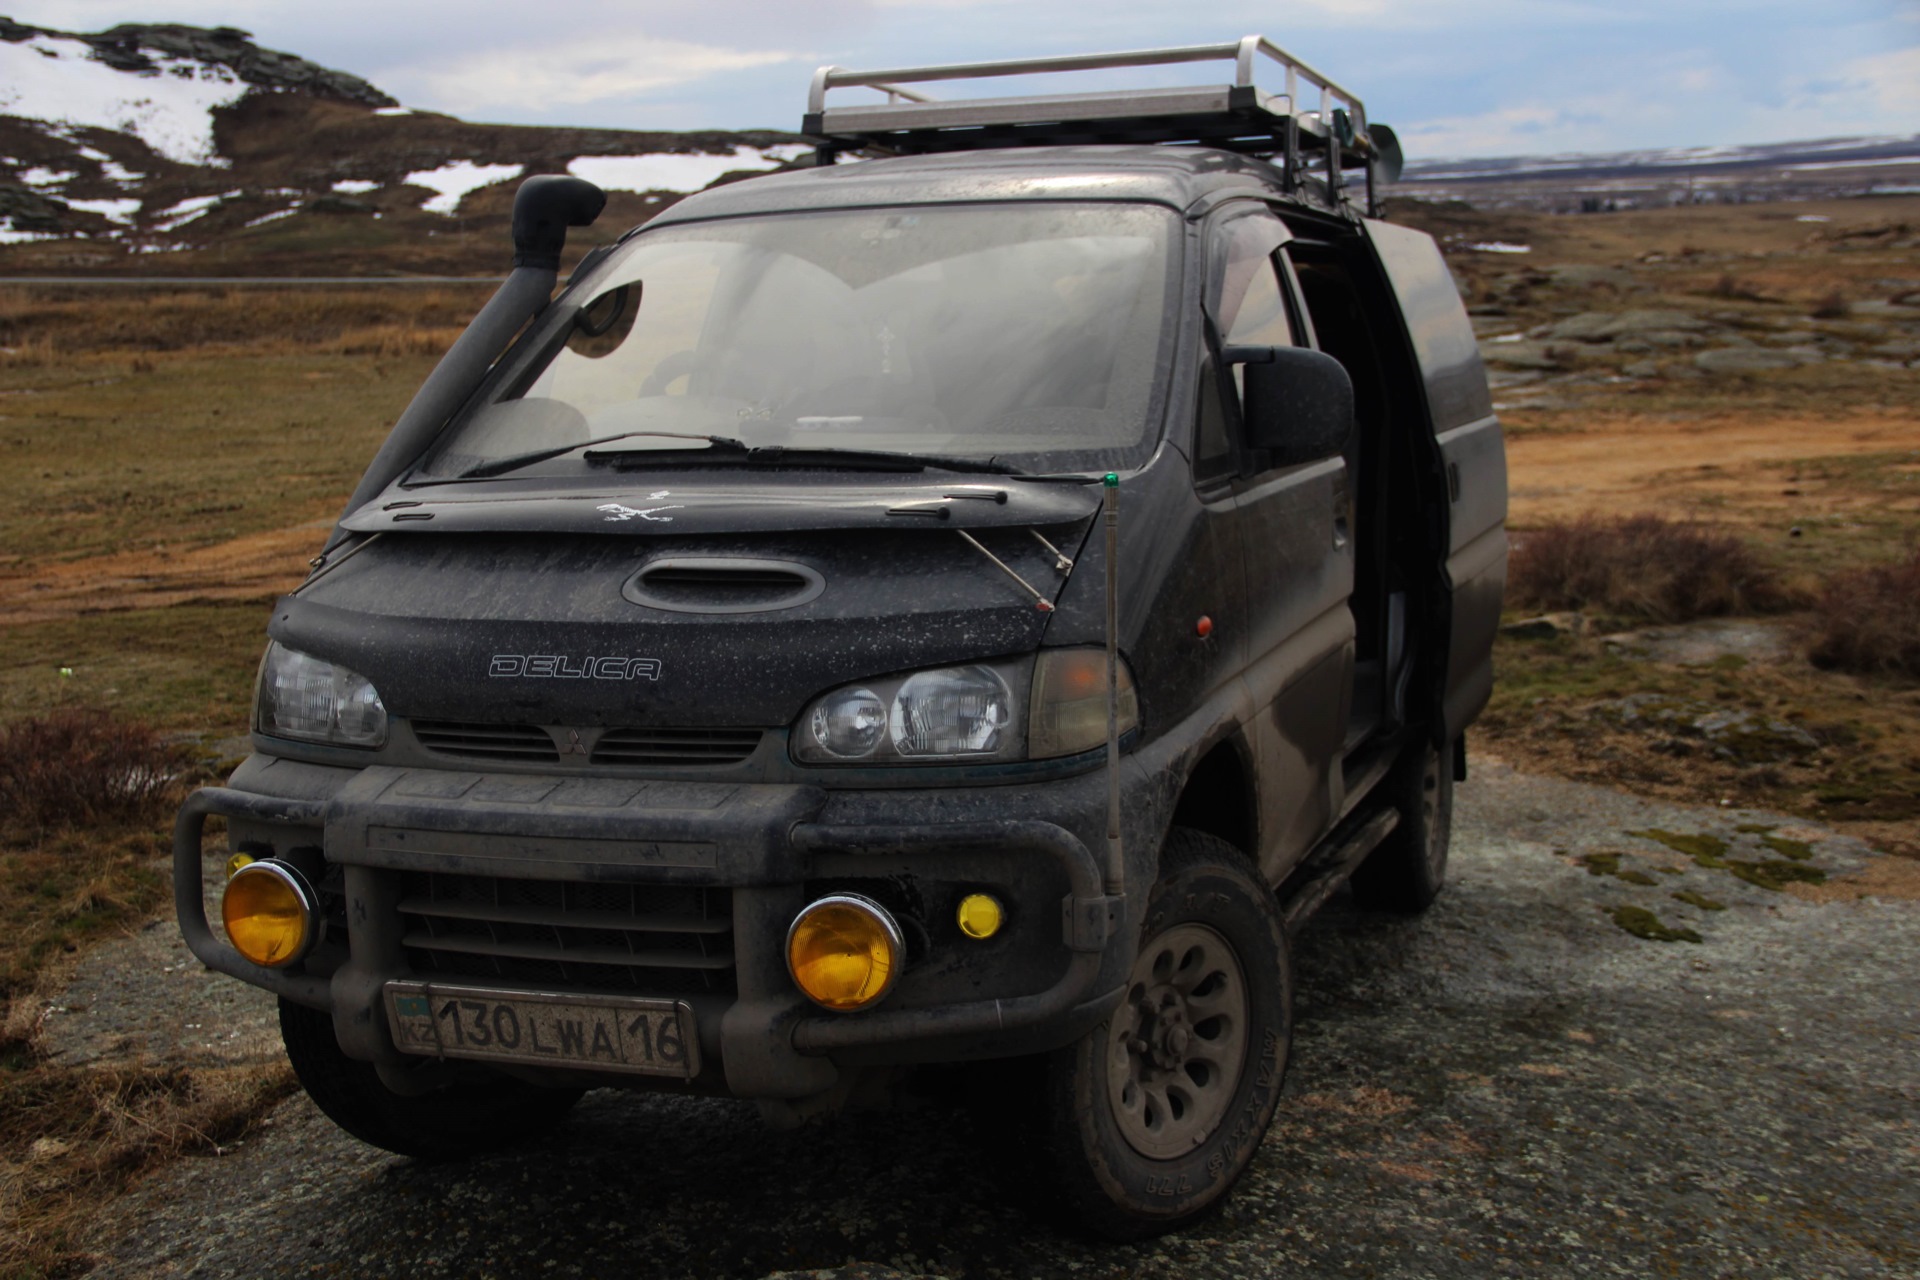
x: 675, y: 746
x: 531, y: 744
x: 642, y: 939
x: 524, y: 742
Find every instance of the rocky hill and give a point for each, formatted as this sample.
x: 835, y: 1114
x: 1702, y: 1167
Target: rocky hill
x: 172, y: 149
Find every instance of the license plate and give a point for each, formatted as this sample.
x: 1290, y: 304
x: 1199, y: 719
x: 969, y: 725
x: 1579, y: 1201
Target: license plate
x: 607, y: 1033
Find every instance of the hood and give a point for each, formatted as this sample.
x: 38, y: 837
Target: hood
x: 625, y: 623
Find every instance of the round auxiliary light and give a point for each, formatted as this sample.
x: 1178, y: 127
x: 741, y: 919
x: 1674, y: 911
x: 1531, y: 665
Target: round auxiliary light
x: 980, y: 915
x: 844, y: 952
x: 272, y: 916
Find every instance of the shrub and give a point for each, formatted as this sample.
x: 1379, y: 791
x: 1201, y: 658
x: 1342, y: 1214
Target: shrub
x: 1869, y: 620
x: 80, y: 766
x: 1831, y: 306
x: 1641, y: 567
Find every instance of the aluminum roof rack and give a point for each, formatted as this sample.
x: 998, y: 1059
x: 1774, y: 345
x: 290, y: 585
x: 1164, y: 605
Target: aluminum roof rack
x: 1329, y: 134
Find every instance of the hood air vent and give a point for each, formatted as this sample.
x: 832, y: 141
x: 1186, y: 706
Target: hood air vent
x: 683, y: 584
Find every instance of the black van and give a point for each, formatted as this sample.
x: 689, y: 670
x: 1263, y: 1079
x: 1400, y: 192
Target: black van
x: 969, y: 604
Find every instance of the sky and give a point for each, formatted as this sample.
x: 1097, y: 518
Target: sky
x: 1456, y: 78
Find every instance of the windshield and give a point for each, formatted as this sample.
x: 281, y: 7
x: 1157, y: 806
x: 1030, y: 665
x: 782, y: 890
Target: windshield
x: 1031, y: 335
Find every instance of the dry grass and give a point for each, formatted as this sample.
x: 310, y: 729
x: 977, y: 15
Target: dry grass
x: 1643, y: 568
x: 43, y: 322
x: 70, y: 1138
x: 82, y: 800
x: 83, y: 765
x: 1868, y: 620
x: 395, y: 340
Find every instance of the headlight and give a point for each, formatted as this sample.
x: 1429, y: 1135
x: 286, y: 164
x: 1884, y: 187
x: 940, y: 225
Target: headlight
x: 315, y: 701
x: 962, y: 711
x: 1070, y: 702
x: 847, y: 723
x: 954, y: 713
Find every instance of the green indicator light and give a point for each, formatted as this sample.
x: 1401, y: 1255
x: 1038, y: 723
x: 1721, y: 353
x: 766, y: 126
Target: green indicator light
x: 1112, y: 481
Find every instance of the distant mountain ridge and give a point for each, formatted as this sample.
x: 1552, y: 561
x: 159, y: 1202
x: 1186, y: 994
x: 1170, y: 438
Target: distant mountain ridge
x: 1822, y: 167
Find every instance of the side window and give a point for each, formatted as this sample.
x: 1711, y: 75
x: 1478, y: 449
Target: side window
x: 1249, y: 306
x: 1260, y: 319
x: 1213, y: 453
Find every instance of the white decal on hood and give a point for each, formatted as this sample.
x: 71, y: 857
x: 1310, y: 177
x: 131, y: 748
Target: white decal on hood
x: 619, y: 511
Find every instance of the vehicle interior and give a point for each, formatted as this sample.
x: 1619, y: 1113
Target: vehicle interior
x: 1382, y: 481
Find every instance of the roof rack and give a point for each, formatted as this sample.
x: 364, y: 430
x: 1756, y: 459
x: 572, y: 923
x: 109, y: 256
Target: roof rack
x: 1321, y: 139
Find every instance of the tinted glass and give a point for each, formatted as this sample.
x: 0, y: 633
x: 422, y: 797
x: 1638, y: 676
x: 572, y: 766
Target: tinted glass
x: 1034, y: 334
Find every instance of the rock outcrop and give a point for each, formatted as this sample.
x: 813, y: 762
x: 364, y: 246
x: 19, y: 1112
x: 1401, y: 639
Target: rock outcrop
x: 131, y: 46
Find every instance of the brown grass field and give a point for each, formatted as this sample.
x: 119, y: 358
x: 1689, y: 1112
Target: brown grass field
x: 170, y: 458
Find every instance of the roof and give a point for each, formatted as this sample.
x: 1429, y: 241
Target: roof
x: 1173, y: 176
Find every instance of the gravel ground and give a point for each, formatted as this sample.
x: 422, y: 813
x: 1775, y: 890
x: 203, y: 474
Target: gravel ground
x: 1509, y: 1085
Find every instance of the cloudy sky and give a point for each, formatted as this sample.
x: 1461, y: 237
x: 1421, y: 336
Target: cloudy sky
x: 1456, y: 77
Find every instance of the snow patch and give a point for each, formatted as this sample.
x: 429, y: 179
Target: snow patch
x: 44, y: 177
x: 171, y: 110
x: 1874, y: 162
x: 114, y: 210
x: 673, y: 171
x: 179, y: 215
x: 272, y: 217
x: 355, y: 186
x: 119, y: 174
x: 9, y: 236
x: 1813, y: 217
x: 454, y: 181
x: 1498, y: 246
x: 393, y: 111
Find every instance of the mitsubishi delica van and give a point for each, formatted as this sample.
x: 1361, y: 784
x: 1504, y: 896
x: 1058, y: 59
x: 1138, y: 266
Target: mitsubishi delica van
x: 964, y: 602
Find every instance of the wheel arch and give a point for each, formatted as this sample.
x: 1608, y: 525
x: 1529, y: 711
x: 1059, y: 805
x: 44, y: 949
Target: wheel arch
x: 1218, y: 798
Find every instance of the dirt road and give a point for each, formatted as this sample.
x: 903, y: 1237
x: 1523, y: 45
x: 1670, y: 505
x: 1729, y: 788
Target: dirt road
x: 1722, y: 468
x: 1510, y: 1085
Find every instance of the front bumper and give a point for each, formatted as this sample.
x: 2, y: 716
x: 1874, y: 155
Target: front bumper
x: 375, y: 836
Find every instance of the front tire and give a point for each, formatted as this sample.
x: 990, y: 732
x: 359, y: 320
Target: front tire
x: 1154, y: 1114
x: 477, y: 1113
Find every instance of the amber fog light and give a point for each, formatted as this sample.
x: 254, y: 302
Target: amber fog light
x: 844, y: 952
x: 980, y: 916
x: 271, y: 914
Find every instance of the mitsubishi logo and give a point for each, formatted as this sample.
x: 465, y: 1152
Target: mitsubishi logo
x: 573, y: 746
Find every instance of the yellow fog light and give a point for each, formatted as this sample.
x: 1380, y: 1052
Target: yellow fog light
x: 272, y: 917
x: 980, y: 915
x: 844, y: 952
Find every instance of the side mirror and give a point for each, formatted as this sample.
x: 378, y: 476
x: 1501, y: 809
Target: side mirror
x: 1299, y: 402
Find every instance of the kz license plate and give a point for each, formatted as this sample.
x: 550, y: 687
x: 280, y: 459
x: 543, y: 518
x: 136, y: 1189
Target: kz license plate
x: 610, y: 1033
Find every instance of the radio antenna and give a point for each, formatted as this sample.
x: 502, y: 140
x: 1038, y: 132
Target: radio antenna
x: 1116, y: 865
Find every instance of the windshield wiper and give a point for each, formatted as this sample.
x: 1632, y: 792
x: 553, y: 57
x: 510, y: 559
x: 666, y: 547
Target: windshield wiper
x: 774, y: 455
x: 500, y: 466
